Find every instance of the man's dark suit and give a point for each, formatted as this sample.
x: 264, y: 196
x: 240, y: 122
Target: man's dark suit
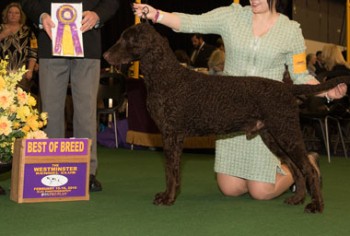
x: 105, y: 9
x: 203, y: 55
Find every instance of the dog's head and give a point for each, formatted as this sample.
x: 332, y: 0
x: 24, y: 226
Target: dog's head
x: 134, y: 42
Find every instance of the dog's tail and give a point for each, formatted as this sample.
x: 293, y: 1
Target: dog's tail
x: 304, y: 89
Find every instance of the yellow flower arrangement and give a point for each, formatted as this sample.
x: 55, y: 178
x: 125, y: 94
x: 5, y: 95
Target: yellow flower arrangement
x: 18, y: 116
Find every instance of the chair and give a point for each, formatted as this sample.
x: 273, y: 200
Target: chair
x: 315, y: 109
x: 345, y: 126
x: 110, y: 97
x: 339, y: 136
x: 340, y: 112
x: 313, y: 112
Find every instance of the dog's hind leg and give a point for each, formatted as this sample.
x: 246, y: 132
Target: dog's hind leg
x: 299, y: 196
x: 291, y: 142
x: 253, y: 129
x: 172, y: 146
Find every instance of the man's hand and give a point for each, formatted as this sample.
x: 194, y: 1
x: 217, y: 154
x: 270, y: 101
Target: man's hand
x: 90, y: 19
x: 48, y: 24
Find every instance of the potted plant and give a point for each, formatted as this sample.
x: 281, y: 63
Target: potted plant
x: 19, y: 117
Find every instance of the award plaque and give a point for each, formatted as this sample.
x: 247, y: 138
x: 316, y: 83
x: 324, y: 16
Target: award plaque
x: 67, y: 40
x: 50, y: 170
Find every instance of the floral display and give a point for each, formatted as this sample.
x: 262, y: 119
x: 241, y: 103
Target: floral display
x: 19, y: 117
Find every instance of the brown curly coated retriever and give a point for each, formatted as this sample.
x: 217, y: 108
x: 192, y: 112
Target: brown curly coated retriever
x: 183, y: 102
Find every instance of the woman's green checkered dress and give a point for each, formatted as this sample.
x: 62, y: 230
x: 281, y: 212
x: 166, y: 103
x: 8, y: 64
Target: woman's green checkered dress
x: 247, y: 55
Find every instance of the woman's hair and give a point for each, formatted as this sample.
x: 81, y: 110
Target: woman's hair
x: 280, y: 5
x: 6, y: 10
x: 332, y: 56
x: 216, y: 60
x: 219, y: 43
x: 182, y: 56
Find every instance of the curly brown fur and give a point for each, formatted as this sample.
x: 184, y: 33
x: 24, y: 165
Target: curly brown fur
x: 186, y: 103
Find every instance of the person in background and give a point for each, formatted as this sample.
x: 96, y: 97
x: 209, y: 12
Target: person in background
x: 182, y: 57
x: 310, y: 62
x: 201, y: 51
x: 18, y: 44
x: 55, y: 73
x: 319, y: 65
x: 259, y: 41
x: 216, y: 60
x: 334, y: 61
x: 335, y: 64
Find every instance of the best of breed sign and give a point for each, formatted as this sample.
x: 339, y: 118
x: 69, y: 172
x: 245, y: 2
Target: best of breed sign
x: 46, y: 170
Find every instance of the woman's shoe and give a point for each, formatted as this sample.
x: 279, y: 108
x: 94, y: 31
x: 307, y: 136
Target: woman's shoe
x: 314, y: 160
x: 293, y: 188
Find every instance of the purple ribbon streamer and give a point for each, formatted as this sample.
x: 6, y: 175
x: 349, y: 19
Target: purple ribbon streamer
x: 62, y: 21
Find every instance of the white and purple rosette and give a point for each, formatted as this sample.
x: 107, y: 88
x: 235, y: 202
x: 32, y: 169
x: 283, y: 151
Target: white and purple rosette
x: 66, y: 16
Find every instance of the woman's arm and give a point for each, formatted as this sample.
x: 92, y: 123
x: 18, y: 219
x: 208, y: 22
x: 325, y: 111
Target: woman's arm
x: 30, y: 68
x: 297, y: 61
x: 157, y: 16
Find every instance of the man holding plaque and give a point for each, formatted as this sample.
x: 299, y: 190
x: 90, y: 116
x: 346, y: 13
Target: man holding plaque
x: 70, y: 51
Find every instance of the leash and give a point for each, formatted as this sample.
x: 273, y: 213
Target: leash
x: 145, y: 11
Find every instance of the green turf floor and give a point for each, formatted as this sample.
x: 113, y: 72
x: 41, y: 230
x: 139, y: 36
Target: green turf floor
x: 130, y: 180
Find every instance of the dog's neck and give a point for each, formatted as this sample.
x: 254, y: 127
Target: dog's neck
x: 158, y: 62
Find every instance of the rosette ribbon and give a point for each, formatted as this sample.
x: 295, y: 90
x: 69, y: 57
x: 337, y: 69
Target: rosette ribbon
x: 67, y: 38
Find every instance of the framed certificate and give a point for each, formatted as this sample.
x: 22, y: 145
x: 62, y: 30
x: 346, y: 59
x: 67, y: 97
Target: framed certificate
x: 67, y: 39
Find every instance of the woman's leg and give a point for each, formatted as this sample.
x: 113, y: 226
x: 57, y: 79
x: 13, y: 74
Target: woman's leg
x: 231, y: 186
x: 234, y: 186
x: 267, y: 191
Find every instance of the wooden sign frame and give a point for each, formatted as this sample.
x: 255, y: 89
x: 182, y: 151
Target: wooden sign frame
x: 50, y: 170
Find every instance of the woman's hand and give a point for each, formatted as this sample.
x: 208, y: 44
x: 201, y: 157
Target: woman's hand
x: 142, y: 10
x: 337, y: 92
x: 5, y: 33
x: 28, y: 75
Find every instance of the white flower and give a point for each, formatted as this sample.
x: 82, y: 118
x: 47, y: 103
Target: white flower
x: 18, y: 116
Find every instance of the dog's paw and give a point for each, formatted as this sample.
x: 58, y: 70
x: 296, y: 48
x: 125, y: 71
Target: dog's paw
x: 163, y: 199
x: 314, y: 207
x: 295, y: 200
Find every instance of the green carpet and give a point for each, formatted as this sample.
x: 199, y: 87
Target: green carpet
x: 130, y: 180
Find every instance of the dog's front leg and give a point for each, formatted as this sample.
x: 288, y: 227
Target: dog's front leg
x: 314, y: 186
x: 172, y: 145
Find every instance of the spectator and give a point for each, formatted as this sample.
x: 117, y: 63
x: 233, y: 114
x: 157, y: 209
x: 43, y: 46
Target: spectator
x: 201, y: 51
x: 182, y: 57
x: 310, y: 62
x: 319, y: 65
x: 18, y: 43
x: 217, y: 59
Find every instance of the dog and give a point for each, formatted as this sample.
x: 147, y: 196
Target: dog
x: 187, y: 103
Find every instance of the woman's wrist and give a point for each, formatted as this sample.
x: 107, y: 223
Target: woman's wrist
x: 158, y: 16
x: 327, y: 97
